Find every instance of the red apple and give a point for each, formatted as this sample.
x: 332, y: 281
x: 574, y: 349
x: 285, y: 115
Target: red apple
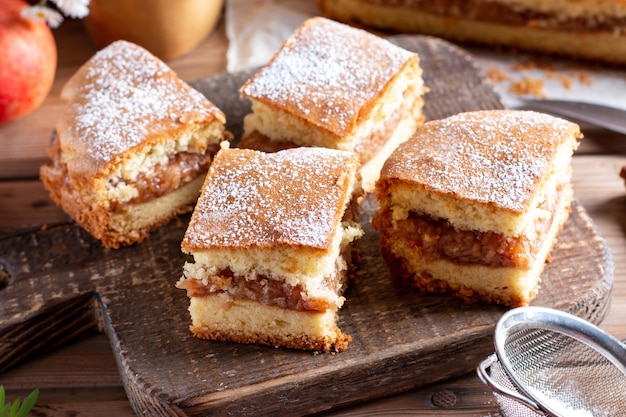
x: 28, y: 61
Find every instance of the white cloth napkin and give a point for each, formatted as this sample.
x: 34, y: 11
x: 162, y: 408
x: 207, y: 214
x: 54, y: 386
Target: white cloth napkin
x: 256, y: 29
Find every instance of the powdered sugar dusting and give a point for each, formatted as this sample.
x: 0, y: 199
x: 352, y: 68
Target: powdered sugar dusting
x: 292, y: 197
x: 122, y: 96
x: 326, y: 72
x: 494, y: 157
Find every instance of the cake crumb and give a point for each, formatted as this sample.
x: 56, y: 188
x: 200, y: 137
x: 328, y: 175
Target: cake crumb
x: 583, y: 78
x: 565, y: 81
x: 496, y: 75
x: 528, y: 86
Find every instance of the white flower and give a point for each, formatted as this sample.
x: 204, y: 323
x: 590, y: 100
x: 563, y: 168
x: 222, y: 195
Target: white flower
x: 43, y: 14
x: 73, y: 8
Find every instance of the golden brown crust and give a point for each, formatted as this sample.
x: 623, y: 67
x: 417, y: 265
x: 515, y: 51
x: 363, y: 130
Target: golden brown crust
x: 328, y: 74
x: 292, y: 198
x: 121, y: 103
x: 495, y: 157
x: 323, y: 344
x: 590, y: 14
x: 592, y: 29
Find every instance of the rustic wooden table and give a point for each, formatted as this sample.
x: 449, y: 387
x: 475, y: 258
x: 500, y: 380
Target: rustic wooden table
x: 81, y: 379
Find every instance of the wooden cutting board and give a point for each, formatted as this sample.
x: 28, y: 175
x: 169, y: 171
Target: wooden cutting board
x: 57, y: 283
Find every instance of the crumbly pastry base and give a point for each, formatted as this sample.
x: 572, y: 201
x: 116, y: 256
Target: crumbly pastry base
x: 509, y: 286
x: 597, y: 44
x: 125, y: 226
x: 220, y: 317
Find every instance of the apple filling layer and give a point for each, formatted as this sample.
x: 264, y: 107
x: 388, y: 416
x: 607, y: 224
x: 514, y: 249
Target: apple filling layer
x: 181, y: 169
x: 492, y: 11
x: 436, y: 239
x: 263, y: 290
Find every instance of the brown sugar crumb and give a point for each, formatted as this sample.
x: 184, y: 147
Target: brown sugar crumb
x: 565, y: 81
x: 528, y: 86
x: 583, y: 78
x: 496, y: 75
x: 536, y: 86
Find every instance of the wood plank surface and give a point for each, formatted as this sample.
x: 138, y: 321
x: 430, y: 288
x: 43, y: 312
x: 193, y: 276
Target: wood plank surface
x: 74, y: 287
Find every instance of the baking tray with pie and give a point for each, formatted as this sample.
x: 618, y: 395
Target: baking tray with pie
x: 57, y: 283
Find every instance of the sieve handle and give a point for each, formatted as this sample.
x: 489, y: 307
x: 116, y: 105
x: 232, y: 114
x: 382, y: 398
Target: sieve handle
x: 485, y: 377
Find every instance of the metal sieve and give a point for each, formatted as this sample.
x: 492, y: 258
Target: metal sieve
x: 551, y: 363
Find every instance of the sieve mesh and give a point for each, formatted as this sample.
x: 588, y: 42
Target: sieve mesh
x: 551, y: 363
x: 568, y: 376
x: 508, y: 406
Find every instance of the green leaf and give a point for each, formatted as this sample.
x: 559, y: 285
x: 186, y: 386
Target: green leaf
x: 18, y: 408
x: 2, y: 398
x: 28, y: 404
x: 14, y: 408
